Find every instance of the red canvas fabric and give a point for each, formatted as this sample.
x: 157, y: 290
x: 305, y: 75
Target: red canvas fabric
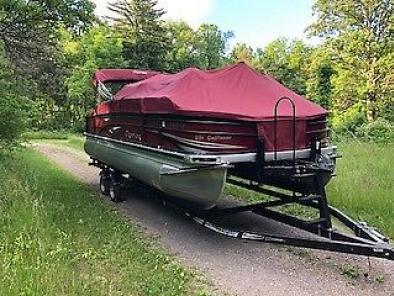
x: 119, y: 75
x: 235, y: 92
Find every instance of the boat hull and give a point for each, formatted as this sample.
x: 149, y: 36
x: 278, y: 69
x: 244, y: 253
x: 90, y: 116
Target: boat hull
x: 194, y: 184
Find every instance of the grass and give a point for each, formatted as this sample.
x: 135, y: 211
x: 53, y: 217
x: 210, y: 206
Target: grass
x: 73, y: 141
x: 364, y: 186
x: 57, y: 238
x: 70, y: 140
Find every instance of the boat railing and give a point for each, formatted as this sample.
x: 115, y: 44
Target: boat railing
x: 276, y: 128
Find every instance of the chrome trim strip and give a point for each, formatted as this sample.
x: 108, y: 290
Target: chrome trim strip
x: 185, y: 171
x: 223, y: 158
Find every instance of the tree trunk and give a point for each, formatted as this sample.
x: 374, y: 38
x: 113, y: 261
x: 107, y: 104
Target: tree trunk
x: 371, y: 109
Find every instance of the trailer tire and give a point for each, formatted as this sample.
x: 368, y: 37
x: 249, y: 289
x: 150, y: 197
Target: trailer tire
x: 104, y: 184
x: 115, y: 192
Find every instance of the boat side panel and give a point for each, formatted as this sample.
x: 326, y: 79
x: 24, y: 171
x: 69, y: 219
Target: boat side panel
x: 209, y: 136
x: 186, y: 135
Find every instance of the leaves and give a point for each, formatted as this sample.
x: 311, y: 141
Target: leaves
x: 28, y: 30
x: 286, y: 61
x: 204, y: 48
x: 99, y: 48
x: 360, y: 34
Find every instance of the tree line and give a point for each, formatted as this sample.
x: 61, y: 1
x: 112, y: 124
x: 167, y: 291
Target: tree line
x: 50, y: 48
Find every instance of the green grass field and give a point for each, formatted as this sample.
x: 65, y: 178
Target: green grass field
x: 57, y: 238
x: 67, y: 139
x: 364, y: 186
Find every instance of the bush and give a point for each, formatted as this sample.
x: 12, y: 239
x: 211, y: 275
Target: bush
x: 13, y: 112
x: 349, y: 120
x: 379, y: 131
x: 46, y: 135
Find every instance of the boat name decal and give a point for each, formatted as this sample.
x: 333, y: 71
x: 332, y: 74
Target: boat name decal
x: 202, y: 144
x: 211, y: 138
x: 133, y: 136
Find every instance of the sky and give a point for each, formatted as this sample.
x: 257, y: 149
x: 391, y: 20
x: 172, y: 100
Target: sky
x: 255, y: 22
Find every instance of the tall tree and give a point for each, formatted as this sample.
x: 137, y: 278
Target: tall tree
x: 145, y: 38
x: 29, y: 39
x: 183, y: 47
x: 361, y: 35
x: 212, y: 45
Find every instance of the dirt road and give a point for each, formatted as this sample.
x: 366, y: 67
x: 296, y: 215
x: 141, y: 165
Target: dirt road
x: 234, y: 266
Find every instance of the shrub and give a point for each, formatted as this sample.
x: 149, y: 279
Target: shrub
x: 379, y: 131
x: 13, y: 112
x: 46, y: 135
x: 349, y: 120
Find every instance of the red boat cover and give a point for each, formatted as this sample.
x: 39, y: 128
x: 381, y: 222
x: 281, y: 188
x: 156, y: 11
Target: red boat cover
x: 235, y: 92
x: 119, y: 75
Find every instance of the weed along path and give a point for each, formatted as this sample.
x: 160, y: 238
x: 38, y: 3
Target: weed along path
x: 236, y: 267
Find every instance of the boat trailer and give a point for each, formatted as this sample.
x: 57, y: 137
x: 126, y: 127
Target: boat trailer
x: 364, y: 240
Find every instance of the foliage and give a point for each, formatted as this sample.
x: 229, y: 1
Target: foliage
x: 286, y: 62
x: 349, y: 120
x: 360, y: 35
x: 212, y: 45
x: 182, y: 51
x: 241, y: 52
x: 379, y: 131
x: 99, y: 48
x: 29, y: 33
x: 28, y: 30
x: 319, y: 78
x: 203, y: 48
x: 14, y: 108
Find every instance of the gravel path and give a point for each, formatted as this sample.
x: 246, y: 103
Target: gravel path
x: 234, y: 266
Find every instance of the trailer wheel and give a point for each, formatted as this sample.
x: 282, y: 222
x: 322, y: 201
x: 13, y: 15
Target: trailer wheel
x: 104, y: 184
x: 115, y: 192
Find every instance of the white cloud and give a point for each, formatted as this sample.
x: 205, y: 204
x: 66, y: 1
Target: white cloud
x: 191, y: 11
